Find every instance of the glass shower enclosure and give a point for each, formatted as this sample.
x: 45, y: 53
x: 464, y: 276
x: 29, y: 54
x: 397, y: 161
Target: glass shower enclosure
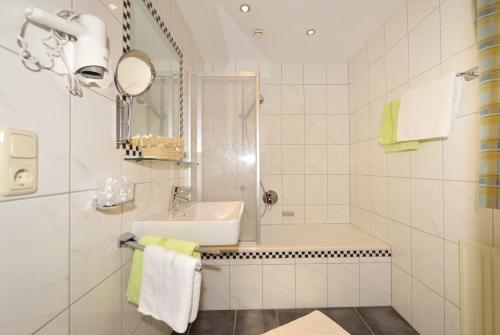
x: 226, y: 137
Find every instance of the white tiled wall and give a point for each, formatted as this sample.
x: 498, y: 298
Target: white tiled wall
x: 61, y: 270
x: 421, y: 202
x: 296, y: 283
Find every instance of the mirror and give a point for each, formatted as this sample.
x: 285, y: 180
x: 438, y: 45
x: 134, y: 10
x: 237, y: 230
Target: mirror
x: 134, y: 74
x: 157, y: 104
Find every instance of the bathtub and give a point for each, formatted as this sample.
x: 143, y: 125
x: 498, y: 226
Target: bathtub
x: 299, y: 266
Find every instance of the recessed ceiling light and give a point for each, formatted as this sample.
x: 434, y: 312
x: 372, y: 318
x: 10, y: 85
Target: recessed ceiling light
x: 311, y: 32
x: 112, y: 6
x: 258, y: 33
x: 245, y: 8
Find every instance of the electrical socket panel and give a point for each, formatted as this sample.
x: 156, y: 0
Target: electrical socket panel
x: 18, y: 162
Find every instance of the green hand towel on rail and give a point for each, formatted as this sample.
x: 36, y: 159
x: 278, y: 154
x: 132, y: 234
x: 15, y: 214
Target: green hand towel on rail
x: 389, y: 128
x: 135, y: 278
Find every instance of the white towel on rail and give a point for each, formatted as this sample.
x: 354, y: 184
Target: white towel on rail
x: 428, y: 111
x: 170, y: 288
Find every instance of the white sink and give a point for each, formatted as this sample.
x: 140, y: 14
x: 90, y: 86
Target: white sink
x: 206, y: 223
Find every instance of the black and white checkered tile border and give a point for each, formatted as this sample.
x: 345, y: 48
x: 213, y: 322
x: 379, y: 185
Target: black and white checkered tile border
x: 164, y: 28
x: 130, y: 150
x: 299, y: 254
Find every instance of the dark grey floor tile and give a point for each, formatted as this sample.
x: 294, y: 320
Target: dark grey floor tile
x: 348, y: 319
x: 287, y: 315
x: 213, y: 322
x: 385, y: 321
x: 255, y: 322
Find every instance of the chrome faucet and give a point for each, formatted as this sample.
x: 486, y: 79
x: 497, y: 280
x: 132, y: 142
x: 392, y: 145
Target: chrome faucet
x: 178, y: 193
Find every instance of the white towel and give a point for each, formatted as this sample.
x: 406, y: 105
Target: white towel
x: 428, y: 111
x: 170, y: 288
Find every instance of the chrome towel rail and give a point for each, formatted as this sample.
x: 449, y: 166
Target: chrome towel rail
x: 470, y: 74
x: 129, y: 240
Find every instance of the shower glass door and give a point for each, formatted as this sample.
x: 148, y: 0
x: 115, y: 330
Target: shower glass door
x: 227, y: 142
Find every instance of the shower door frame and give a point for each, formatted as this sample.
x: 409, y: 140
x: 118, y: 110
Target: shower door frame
x: 199, y: 133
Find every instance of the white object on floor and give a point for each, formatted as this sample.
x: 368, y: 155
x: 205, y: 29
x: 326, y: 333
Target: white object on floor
x: 479, y: 288
x: 428, y: 111
x: 315, y: 323
x: 170, y: 288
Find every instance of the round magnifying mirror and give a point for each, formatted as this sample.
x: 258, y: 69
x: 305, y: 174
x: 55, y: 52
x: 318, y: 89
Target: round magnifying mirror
x: 134, y: 73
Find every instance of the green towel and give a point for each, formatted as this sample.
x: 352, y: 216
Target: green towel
x: 135, y: 279
x: 389, y: 129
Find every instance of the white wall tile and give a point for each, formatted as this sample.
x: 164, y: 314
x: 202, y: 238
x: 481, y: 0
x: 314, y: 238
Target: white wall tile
x: 215, y: 288
x: 272, y: 99
x: 376, y: 108
x: 376, y: 45
x: 343, y: 285
x: 424, y: 42
x: 451, y: 273
x: 293, y: 189
x: 270, y: 73
x: 419, y: 10
x: 378, y: 226
x: 427, y: 161
x: 58, y: 326
x: 361, y: 60
x: 362, y: 89
x: 314, y: 73
x: 270, y: 159
x: 338, y: 159
x: 292, y: 73
x: 396, y: 25
x: 375, y: 284
x: 463, y: 219
x: 293, y: 129
x: 99, y: 312
x: 279, y: 286
x: 337, y: 101
x: 316, y: 159
x: 315, y: 129
x: 397, y: 65
x: 292, y: 99
x: 338, y: 189
x: 339, y: 214
x: 131, y: 318
x: 92, y: 126
x: 270, y: 129
x: 376, y: 86
x: 311, y: 285
x: 45, y: 112
x: 338, y: 129
x: 315, y: 99
x: 94, y: 254
x: 427, y: 260
x: 317, y: 214
x: 37, y: 231
x: 427, y: 205
x: 457, y: 27
x: 427, y: 310
x: 461, y: 150
x: 246, y: 287
x: 293, y: 159
x: 337, y: 73
x: 316, y: 188
x: 363, y: 123
x: 378, y: 195
x: 401, y: 292
x: 398, y: 164
x: 452, y: 319
x: 399, y: 203
x: 399, y: 237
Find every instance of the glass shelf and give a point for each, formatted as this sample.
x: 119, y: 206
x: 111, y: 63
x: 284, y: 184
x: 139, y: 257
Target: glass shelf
x: 181, y: 162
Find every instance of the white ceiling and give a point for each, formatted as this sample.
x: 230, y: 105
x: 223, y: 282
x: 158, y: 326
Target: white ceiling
x: 222, y: 32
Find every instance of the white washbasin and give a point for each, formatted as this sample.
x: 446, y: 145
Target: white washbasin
x: 206, y: 223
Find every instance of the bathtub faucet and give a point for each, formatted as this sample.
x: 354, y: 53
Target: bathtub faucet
x: 178, y: 193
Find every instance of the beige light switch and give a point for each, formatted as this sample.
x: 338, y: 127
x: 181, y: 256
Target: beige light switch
x: 18, y: 162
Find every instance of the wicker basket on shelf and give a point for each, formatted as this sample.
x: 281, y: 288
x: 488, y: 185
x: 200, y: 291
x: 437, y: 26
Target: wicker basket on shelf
x: 160, y: 147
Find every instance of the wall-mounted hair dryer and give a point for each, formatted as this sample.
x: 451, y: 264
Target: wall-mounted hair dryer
x: 78, y: 40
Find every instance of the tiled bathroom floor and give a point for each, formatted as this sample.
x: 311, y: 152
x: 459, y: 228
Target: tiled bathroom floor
x: 357, y: 321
